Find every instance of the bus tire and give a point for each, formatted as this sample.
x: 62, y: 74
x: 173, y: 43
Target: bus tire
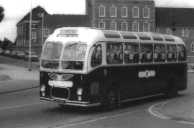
x: 172, y: 90
x: 111, y: 100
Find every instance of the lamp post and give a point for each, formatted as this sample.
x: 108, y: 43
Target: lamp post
x: 30, y: 39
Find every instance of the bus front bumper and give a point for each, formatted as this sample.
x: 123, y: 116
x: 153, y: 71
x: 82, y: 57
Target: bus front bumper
x: 71, y: 103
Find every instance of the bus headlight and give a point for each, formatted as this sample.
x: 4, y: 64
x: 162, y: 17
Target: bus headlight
x: 79, y: 91
x: 43, y: 88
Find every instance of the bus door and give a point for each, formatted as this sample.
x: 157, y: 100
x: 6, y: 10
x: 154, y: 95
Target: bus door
x: 96, y: 74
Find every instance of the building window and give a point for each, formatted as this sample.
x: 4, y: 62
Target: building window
x: 34, y: 35
x: 146, y: 27
x: 102, y: 11
x: 157, y: 29
x: 113, y: 25
x: 113, y: 11
x: 124, y: 26
x: 135, y: 26
x: 185, y: 32
x: 101, y: 25
x: 192, y: 47
x: 46, y: 32
x: 146, y: 12
x: 168, y: 31
x: 124, y: 12
x: 135, y: 12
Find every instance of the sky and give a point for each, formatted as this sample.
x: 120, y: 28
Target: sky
x: 16, y: 9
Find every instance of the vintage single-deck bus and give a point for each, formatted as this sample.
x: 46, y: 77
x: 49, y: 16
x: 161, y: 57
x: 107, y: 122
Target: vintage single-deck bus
x: 87, y: 67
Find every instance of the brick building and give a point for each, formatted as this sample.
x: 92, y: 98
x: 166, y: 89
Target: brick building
x: 22, y: 40
x: 180, y: 22
x: 126, y: 15
x: 44, y: 24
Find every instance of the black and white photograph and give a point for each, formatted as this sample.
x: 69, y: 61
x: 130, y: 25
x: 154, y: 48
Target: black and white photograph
x: 96, y: 63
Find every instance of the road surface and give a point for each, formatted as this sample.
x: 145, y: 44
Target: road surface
x: 23, y: 109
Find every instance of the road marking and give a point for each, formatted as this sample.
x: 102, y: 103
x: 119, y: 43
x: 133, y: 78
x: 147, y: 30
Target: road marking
x: 156, y: 113
x: 97, y: 119
x: 186, y: 122
x: 18, y: 90
x: 18, y: 106
x: 162, y: 116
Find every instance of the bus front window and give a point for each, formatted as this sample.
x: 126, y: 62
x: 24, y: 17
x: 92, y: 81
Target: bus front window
x: 51, y: 55
x: 74, y: 55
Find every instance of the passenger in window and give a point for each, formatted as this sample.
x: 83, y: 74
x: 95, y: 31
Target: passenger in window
x: 172, y: 53
x: 149, y: 55
x: 128, y: 54
x: 131, y: 53
x: 109, y: 54
x: 136, y: 54
x: 142, y: 54
x: 163, y: 53
x: 146, y: 54
x: 181, y: 53
x: 99, y: 53
x: 159, y: 53
x: 97, y: 56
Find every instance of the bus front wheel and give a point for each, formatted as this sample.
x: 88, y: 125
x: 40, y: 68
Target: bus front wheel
x: 111, y: 100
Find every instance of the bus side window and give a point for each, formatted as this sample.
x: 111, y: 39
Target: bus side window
x: 146, y: 53
x: 96, y: 56
x: 159, y: 53
x: 181, y: 52
x: 130, y: 53
x: 171, y: 52
x: 114, y: 53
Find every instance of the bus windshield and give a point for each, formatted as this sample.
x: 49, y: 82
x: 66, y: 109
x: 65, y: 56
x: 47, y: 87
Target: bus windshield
x: 51, y: 55
x: 52, y: 51
x: 73, y: 55
x: 74, y: 51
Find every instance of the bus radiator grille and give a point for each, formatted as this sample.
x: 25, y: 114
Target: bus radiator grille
x: 60, y: 93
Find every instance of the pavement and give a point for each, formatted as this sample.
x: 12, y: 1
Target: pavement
x: 179, y: 109
x: 14, y: 78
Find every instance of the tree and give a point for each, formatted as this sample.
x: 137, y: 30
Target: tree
x: 6, y: 44
x: 1, y: 13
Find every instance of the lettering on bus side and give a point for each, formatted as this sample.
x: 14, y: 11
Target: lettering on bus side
x: 146, y: 74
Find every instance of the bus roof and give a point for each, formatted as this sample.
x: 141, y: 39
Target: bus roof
x: 91, y: 36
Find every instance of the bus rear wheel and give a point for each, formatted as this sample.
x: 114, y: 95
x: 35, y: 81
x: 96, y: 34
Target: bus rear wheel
x: 172, y: 90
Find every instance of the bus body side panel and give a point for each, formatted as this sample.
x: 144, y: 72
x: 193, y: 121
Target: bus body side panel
x: 129, y: 81
x: 140, y: 80
x: 177, y: 73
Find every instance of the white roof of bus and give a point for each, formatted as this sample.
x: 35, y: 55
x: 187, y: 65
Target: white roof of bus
x: 91, y: 36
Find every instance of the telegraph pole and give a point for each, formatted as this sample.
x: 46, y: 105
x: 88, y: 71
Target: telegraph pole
x: 42, y: 39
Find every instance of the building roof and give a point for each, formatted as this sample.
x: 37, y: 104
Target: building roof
x: 166, y: 17
x: 35, y: 14
x: 66, y: 20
